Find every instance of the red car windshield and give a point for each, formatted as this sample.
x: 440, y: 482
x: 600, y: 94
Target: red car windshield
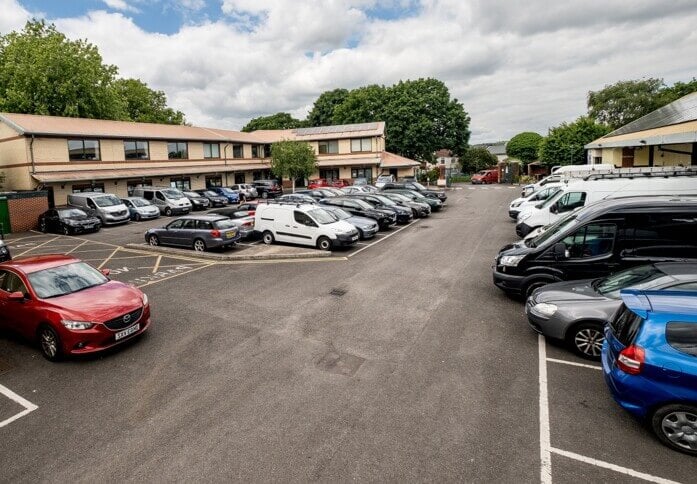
x: 62, y: 280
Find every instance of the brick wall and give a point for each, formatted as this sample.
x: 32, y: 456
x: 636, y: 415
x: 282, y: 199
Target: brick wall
x: 25, y: 209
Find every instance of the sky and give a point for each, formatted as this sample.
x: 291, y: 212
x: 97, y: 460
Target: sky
x: 515, y: 65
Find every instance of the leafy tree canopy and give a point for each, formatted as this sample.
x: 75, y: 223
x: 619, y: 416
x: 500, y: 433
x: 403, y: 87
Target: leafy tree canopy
x: 292, y: 159
x: 43, y: 72
x: 322, y: 112
x: 274, y: 121
x: 477, y: 158
x: 564, y: 143
x: 524, y: 146
x: 623, y: 102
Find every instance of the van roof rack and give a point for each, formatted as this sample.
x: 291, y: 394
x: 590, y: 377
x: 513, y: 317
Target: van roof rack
x: 643, y: 172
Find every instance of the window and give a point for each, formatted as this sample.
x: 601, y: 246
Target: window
x: 133, y: 184
x: 593, y: 240
x: 211, y: 150
x: 239, y: 178
x: 83, y: 149
x: 626, y: 325
x: 361, y: 144
x: 571, y: 201
x: 214, y: 181
x: 136, y: 150
x: 661, y: 235
x: 328, y: 147
x: 182, y: 183
x: 95, y: 187
x: 682, y: 337
x: 329, y: 174
x: 303, y: 219
x: 189, y: 224
x: 361, y: 172
x: 10, y: 282
x: 260, y: 175
x: 267, y: 151
x: 255, y: 151
x: 177, y: 150
x: 204, y: 225
x: 177, y: 224
x: 237, y: 151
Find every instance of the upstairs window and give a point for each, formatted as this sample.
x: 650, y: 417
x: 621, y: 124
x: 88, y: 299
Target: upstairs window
x: 267, y: 151
x: 361, y: 144
x: 83, y: 149
x: 255, y: 151
x: 211, y: 150
x: 136, y: 150
x: 177, y: 150
x: 329, y: 147
x: 237, y: 151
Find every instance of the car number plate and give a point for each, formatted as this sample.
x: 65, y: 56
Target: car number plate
x: 127, y: 332
x: 229, y: 235
x: 355, y: 237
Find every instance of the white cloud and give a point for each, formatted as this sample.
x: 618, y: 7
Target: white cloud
x: 120, y: 5
x: 515, y: 67
x: 13, y: 17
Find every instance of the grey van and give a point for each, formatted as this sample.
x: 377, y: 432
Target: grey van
x: 170, y: 201
x: 105, y: 206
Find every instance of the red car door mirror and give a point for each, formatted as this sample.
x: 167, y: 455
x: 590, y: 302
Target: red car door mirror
x: 106, y: 272
x: 16, y: 296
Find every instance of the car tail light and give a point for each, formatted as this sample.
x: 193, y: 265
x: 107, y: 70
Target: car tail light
x: 631, y: 359
x: 248, y: 224
x: 215, y: 233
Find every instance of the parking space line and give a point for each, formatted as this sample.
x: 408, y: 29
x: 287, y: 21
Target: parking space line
x: 11, y: 241
x: 384, y: 238
x: 108, y: 258
x: 157, y: 264
x: 28, y: 406
x: 174, y: 275
x: 612, y: 467
x: 573, y: 363
x: 37, y: 246
x: 545, y: 439
x: 76, y: 247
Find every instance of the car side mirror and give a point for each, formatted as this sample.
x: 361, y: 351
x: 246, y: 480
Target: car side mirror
x: 554, y: 208
x: 16, y: 296
x: 560, y: 251
x: 106, y: 272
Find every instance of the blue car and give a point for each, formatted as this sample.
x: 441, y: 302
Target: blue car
x: 650, y: 363
x: 233, y: 196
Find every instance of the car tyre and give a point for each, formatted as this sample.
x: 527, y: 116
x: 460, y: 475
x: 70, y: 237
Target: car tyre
x: 267, y: 237
x: 324, y: 243
x: 49, y: 343
x: 66, y: 230
x: 42, y: 226
x: 361, y: 235
x: 586, y: 340
x: 136, y: 217
x: 672, y: 423
x: 530, y: 288
x: 154, y: 240
x: 168, y: 212
x: 264, y: 195
x: 199, y: 245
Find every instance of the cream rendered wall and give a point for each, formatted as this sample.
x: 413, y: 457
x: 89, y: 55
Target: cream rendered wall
x: 195, y: 150
x: 612, y: 156
x: 344, y: 146
x: 48, y: 150
x: 158, y: 150
x: 664, y: 158
x: 111, y: 150
x: 641, y: 157
x: 246, y: 150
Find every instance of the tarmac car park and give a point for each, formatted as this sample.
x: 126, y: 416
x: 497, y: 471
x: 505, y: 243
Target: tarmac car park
x: 394, y: 357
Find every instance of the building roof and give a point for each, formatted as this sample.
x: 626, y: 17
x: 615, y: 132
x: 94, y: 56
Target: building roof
x: 495, y: 148
x: 674, y: 123
x: 390, y: 160
x: 359, y: 130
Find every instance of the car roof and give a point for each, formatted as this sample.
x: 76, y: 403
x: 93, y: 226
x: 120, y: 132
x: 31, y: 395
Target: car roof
x: 36, y: 263
x: 209, y: 218
x: 629, y: 204
x: 679, y: 270
x: 643, y: 302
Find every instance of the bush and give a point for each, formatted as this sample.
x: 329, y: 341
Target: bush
x: 430, y: 176
x: 460, y: 178
x: 527, y: 180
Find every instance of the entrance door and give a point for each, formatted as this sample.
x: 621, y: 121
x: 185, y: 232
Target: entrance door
x: 51, y: 200
x: 627, y: 157
x: 239, y: 178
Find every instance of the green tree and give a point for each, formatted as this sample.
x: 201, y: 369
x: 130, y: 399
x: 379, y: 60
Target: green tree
x: 477, y: 158
x: 678, y: 90
x: 524, y: 146
x: 274, y: 121
x: 292, y: 159
x: 146, y: 105
x: 322, y: 112
x: 564, y: 143
x: 623, y: 102
x: 42, y: 72
x: 362, y: 105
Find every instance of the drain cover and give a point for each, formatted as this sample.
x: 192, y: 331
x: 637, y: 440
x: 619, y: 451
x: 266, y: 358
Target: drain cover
x: 340, y: 363
x: 337, y: 292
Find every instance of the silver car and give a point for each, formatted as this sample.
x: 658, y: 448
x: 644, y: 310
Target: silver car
x: 247, y: 191
x: 367, y: 227
x: 140, y: 208
x: 199, y: 232
x: 576, y: 311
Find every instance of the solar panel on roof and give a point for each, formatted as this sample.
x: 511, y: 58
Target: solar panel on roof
x: 343, y: 128
x: 679, y: 111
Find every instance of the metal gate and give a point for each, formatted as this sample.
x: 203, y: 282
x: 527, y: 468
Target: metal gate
x: 5, y: 227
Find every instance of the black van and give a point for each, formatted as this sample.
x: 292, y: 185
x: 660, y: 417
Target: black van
x: 604, y: 237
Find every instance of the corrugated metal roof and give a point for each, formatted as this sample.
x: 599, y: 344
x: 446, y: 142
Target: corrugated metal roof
x: 343, y: 128
x: 679, y: 111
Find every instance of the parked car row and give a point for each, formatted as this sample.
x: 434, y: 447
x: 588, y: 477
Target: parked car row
x: 615, y: 280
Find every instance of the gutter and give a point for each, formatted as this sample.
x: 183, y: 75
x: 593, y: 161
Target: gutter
x: 31, y: 154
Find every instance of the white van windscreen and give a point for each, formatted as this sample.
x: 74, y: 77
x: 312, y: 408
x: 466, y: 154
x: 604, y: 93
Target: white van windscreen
x: 107, y: 201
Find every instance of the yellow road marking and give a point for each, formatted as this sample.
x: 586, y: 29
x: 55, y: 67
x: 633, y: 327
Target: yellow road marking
x: 36, y: 246
x: 157, y: 264
x: 108, y: 258
x: 77, y: 247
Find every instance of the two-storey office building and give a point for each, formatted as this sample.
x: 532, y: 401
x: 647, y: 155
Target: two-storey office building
x: 68, y: 155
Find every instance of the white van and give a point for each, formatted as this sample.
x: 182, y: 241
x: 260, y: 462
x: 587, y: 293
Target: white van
x: 561, y: 173
x: 521, y: 203
x: 302, y: 224
x: 580, y: 193
x: 107, y: 207
x: 170, y: 201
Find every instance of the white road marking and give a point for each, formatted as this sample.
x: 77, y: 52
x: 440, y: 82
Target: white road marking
x: 384, y: 238
x: 36, y: 246
x: 471, y: 188
x: 28, y: 406
x: 612, y: 467
x: 545, y: 440
x: 573, y: 363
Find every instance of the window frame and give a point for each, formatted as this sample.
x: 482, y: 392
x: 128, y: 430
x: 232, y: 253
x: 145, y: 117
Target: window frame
x: 137, y: 149
x: 98, y: 150
x: 692, y: 349
x: 174, y: 182
x: 361, y: 142
x: 255, y: 151
x: 87, y: 187
x: 186, y: 150
x: 327, y: 143
x: 583, y: 243
x: 210, y: 155
x: 237, y: 148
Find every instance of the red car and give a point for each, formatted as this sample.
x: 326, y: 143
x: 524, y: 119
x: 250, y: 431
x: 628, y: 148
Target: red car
x: 67, y: 306
x: 318, y: 183
x: 486, y: 176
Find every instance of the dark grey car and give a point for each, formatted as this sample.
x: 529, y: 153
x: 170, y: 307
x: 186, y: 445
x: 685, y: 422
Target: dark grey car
x: 367, y: 227
x: 576, y: 311
x: 199, y: 232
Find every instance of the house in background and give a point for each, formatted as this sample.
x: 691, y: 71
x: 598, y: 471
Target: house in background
x: 447, y: 159
x: 496, y: 148
x: 664, y: 137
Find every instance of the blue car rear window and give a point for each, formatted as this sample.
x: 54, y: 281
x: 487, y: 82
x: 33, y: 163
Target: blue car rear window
x: 626, y: 325
x: 682, y: 337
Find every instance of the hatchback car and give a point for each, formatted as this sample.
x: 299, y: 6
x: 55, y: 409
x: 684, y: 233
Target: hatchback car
x: 140, y: 208
x: 68, y: 221
x: 576, y: 311
x: 417, y: 187
x: 419, y: 209
x: 200, y: 232
x: 198, y: 201
x: 367, y: 227
x: 649, y: 361
x: 404, y: 214
x: 214, y: 199
x: 268, y: 188
x: 360, y: 208
x: 247, y: 190
x: 232, y: 196
x: 415, y: 196
x: 68, y: 307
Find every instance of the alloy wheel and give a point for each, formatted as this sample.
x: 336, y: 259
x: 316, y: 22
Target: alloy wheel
x: 680, y: 428
x: 153, y: 240
x: 49, y: 343
x: 589, y: 341
x: 199, y: 245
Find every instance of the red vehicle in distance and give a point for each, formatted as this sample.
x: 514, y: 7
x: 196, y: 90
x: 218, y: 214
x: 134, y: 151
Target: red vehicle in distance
x: 323, y: 183
x: 486, y: 176
x: 68, y: 307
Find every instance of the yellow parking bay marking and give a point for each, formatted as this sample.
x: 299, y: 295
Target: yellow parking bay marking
x: 77, y: 247
x: 28, y: 406
x: 157, y: 264
x: 108, y: 258
x: 37, y: 246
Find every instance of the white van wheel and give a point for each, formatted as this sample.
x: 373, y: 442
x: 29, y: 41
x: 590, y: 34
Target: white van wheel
x: 168, y: 212
x: 267, y: 238
x: 323, y: 243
